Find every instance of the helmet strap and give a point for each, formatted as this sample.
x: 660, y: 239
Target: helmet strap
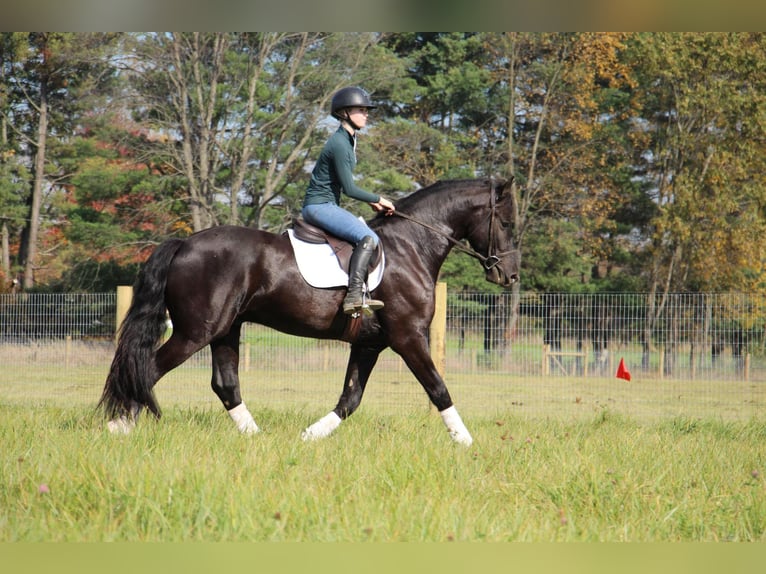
x: 347, y: 119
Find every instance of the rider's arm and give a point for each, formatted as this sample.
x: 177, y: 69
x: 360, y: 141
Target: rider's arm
x: 343, y: 162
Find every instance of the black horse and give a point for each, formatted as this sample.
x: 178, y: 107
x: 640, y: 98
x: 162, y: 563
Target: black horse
x: 215, y: 280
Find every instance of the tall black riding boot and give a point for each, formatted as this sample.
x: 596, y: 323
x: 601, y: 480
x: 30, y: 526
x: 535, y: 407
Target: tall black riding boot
x: 355, y: 300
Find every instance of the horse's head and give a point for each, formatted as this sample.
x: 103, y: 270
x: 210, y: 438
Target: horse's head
x: 492, y: 236
x: 483, y: 211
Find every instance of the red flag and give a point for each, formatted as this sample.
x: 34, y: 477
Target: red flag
x: 622, y: 370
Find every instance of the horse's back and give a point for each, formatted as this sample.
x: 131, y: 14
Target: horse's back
x: 230, y: 237
x: 231, y: 241
x: 225, y: 257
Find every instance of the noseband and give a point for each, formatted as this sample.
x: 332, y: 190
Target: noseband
x: 492, y: 259
x: 489, y: 260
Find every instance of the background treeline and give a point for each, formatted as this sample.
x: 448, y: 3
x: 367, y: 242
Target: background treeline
x: 638, y: 158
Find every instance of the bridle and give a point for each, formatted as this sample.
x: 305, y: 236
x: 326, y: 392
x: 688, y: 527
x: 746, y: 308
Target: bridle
x: 489, y: 260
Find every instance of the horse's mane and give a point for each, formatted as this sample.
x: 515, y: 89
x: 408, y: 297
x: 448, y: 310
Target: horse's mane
x: 442, y: 186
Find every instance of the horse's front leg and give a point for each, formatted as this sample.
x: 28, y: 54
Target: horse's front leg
x: 417, y: 356
x: 360, y: 364
x: 225, y: 380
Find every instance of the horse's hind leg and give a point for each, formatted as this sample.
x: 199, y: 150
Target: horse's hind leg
x: 125, y: 423
x: 225, y: 381
x: 171, y: 354
x: 360, y: 364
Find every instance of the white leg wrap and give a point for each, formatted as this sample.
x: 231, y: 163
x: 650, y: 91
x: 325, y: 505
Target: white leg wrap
x: 322, y: 428
x: 243, y: 419
x: 455, y: 426
x: 125, y: 423
x: 121, y: 425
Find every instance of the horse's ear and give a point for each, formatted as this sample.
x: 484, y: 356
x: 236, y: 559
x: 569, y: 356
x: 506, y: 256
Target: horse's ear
x: 503, y: 187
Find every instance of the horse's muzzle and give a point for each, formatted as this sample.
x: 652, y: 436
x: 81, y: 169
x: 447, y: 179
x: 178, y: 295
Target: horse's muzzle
x: 504, y: 271
x: 497, y: 277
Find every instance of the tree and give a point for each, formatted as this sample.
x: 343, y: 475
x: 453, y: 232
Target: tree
x: 547, y: 125
x: 242, y: 112
x: 552, y: 132
x: 699, y: 159
x: 14, y: 175
x: 117, y: 207
x: 548, y: 110
x: 700, y: 153
x: 448, y: 106
x: 46, y: 74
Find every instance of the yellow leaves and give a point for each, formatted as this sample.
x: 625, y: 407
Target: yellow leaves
x: 579, y: 129
x: 722, y: 241
x: 601, y: 51
x: 180, y: 227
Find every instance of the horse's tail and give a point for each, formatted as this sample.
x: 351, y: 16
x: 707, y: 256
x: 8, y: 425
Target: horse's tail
x: 133, y: 373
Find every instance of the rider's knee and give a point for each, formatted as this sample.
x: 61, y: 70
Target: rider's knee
x: 368, y: 242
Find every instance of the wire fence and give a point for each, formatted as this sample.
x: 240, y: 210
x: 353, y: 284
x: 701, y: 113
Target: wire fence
x: 542, y: 355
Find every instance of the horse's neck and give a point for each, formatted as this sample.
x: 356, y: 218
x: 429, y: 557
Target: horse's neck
x: 436, y: 226
x: 449, y: 218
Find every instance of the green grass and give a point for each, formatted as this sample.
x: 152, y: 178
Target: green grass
x: 395, y: 391
x: 191, y: 477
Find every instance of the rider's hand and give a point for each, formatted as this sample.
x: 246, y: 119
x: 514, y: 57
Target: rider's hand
x: 384, y: 205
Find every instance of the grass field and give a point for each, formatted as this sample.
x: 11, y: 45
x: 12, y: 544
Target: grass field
x: 309, y: 374
x: 380, y: 477
x: 555, y: 458
x: 393, y: 390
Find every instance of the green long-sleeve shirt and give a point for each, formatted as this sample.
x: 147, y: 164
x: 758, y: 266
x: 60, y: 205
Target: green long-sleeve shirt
x: 333, y: 173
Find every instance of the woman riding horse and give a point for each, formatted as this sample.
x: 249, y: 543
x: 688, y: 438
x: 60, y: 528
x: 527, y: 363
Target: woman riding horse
x: 333, y: 174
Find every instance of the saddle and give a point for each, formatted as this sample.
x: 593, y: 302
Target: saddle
x: 342, y: 248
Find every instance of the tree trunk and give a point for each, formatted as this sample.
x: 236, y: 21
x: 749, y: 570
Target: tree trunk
x: 37, y: 192
x: 4, y: 233
x: 6, y: 251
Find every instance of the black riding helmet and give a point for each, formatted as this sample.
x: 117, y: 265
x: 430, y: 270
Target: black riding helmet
x: 352, y: 97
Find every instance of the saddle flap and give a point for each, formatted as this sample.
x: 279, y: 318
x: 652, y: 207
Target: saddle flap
x: 342, y: 248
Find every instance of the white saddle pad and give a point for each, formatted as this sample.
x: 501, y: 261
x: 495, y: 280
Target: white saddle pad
x: 320, y: 268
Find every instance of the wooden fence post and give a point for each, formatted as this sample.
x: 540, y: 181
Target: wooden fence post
x: 124, y: 298
x: 437, y: 335
x: 67, y: 350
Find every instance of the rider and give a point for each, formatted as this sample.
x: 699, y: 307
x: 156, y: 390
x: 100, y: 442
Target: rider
x: 332, y: 174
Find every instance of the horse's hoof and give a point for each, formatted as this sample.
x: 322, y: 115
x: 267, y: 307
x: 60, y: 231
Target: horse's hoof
x: 250, y: 428
x: 308, y: 436
x: 462, y: 439
x: 324, y: 427
x: 121, y: 425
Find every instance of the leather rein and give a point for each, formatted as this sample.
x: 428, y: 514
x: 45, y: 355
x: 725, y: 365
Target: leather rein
x: 489, y: 260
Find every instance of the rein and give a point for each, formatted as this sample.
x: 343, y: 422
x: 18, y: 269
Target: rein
x: 489, y: 260
x: 458, y: 244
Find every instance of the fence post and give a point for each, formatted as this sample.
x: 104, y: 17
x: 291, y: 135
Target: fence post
x: 124, y: 298
x: 247, y: 357
x: 437, y: 335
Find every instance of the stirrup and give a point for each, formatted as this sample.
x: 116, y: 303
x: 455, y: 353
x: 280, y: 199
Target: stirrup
x: 366, y: 306
x: 374, y: 304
